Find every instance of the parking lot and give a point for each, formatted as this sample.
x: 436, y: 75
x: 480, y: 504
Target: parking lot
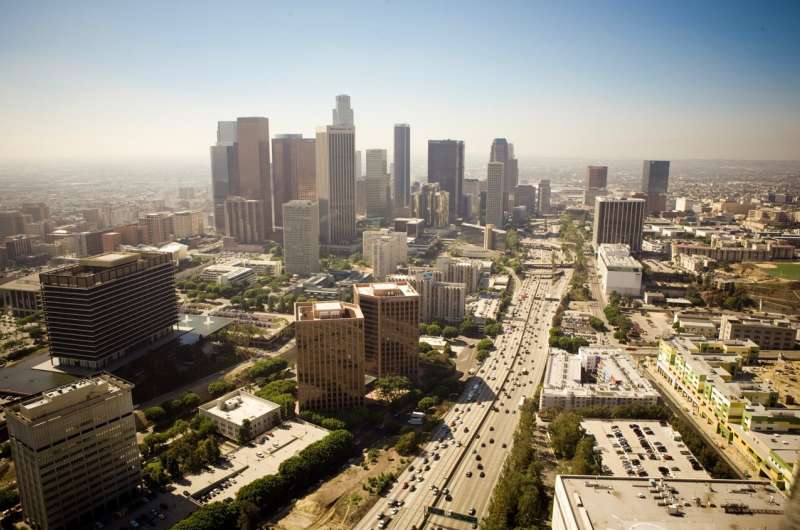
x: 643, y: 448
x: 248, y: 463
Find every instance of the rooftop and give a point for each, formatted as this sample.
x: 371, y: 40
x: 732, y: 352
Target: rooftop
x: 59, y: 399
x: 238, y: 406
x: 305, y: 311
x: 386, y: 289
x: 613, y: 503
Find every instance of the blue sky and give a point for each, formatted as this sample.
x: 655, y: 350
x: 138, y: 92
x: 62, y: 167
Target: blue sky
x: 638, y: 79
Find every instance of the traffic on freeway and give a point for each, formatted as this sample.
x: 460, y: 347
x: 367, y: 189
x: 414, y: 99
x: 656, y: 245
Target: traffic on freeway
x: 449, y: 483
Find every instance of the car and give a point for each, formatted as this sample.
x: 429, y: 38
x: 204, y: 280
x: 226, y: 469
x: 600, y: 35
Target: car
x: 405, y: 485
x: 469, y: 474
x: 482, y: 474
x: 472, y: 511
x: 477, y: 457
x: 491, y: 440
x: 480, y: 466
x: 505, y: 445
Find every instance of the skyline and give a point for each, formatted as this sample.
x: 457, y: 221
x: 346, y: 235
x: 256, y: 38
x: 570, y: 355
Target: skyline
x: 114, y: 83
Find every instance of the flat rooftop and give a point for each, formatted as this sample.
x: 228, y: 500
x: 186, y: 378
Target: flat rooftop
x: 612, y: 503
x: 305, y: 311
x: 386, y: 289
x: 674, y: 458
x: 238, y: 406
x: 25, y: 283
x: 59, y: 399
x: 109, y: 259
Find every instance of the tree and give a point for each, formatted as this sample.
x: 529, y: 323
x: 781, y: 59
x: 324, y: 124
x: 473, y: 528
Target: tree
x: 584, y: 461
x: 466, y: 326
x: 493, y: 329
x: 597, y: 324
x: 449, y: 332
x: 155, y: 414
x: 434, y: 329
x: 154, y: 475
x: 217, y: 388
x: 427, y: 403
x: 407, y: 444
x: 9, y: 497
x: 249, y: 515
x: 189, y: 401
x: 391, y: 387
x: 212, y: 516
x: 482, y: 355
x: 485, y: 344
x: 565, y: 433
x: 244, y: 434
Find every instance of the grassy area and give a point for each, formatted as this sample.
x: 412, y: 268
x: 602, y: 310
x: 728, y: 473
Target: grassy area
x: 786, y: 271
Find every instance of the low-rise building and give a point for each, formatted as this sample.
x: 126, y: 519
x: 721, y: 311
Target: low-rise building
x: 619, y: 272
x: 567, y: 383
x: 263, y: 267
x: 240, y: 415
x: 22, y: 296
x: 615, y: 503
x: 228, y: 274
x: 777, y: 334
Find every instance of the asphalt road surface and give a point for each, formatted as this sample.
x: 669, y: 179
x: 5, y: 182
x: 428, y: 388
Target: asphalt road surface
x: 477, y: 433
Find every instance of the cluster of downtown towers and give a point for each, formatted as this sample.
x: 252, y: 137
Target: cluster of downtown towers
x: 254, y: 176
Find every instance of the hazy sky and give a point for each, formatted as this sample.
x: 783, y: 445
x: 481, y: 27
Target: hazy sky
x: 638, y: 79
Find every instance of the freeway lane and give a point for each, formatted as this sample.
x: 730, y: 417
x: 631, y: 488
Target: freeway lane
x: 450, y: 452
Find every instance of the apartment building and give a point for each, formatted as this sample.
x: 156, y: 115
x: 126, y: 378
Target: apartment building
x: 778, y: 334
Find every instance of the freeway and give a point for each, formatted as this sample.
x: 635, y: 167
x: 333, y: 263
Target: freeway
x: 457, y: 469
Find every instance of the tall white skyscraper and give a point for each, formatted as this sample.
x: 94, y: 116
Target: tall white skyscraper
x: 377, y: 184
x: 494, y: 195
x: 343, y: 113
x: 384, y: 250
x: 336, y: 184
x: 301, y: 237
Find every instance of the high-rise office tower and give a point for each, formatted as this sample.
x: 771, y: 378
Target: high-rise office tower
x: 431, y: 204
x: 377, y: 184
x: 525, y: 195
x: 358, y: 171
x: 75, y: 451
x: 38, y: 211
x: 543, y: 196
x: 502, y: 151
x: 294, y: 171
x: 402, y: 165
x: 336, y: 184
x: 619, y: 220
x: 301, y: 237
x: 187, y: 223
x: 224, y: 176
x: 330, y: 355
x: 244, y: 220
x: 446, y: 168
x: 595, y: 185
x: 495, y: 175
x: 513, y: 169
x: 157, y: 227
x: 472, y: 193
x: 655, y: 183
x: 384, y: 250
x: 439, y: 300
x: 343, y: 113
x: 391, y: 328
x: 106, y: 306
x: 253, y: 165
x: 12, y: 222
x: 461, y: 270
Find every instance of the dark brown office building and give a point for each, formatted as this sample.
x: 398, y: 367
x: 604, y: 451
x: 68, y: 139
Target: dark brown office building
x: 106, y: 306
x: 446, y: 168
x: 391, y: 327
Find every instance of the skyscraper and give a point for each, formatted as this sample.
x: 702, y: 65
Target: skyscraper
x: 330, y: 355
x: 502, y: 151
x: 495, y: 175
x: 244, y: 220
x: 336, y: 184
x: 223, y: 170
x: 104, y: 307
x: 377, y: 184
x: 595, y: 185
x: 75, y: 451
x: 391, y: 328
x: 294, y: 171
x: 446, y: 168
x: 402, y: 165
x: 543, y: 196
x: 253, y: 165
x: 525, y: 195
x: 343, y: 113
x: 301, y: 237
x: 655, y: 183
x: 619, y: 220
x: 431, y: 204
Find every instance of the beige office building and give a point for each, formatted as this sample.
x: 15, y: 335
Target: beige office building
x: 75, y: 451
x: 301, y: 237
x: 336, y: 184
x: 377, y: 183
x: 391, y: 327
x: 384, y: 250
x: 253, y: 179
x: 330, y: 355
x: 187, y: 224
x: 461, y: 270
